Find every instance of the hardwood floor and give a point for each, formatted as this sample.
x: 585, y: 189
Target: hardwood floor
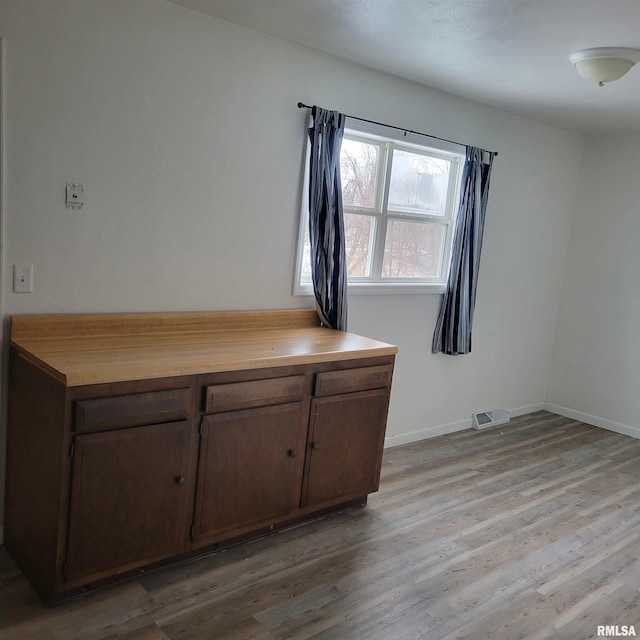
x: 526, y: 530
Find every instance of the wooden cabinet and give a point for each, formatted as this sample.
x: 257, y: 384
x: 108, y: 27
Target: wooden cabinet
x: 346, y: 433
x: 250, y: 469
x: 251, y: 459
x: 345, y: 451
x: 116, y: 465
x: 130, y: 410
x: 129, y: 499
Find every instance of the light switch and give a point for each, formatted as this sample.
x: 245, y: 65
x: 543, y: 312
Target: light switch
x: 22, y: 278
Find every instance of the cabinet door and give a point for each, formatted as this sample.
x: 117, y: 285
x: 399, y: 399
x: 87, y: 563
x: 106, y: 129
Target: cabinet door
x: 129, y: 499
x: 346, y: 443
x: 250, y: 469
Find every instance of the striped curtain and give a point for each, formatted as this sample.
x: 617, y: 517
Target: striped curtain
x: 452, y: 334
x: 326, y: 223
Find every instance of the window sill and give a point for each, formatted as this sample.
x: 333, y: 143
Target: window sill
x: 382, y: 288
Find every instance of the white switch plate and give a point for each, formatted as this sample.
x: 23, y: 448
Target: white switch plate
x: 22, y: 278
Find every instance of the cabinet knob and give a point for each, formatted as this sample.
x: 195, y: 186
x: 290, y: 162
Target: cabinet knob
x: 291, y: 453
x: 180, y: 480
x: 314, y: 446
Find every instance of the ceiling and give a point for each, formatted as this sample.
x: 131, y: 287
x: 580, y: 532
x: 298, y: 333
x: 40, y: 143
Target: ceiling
x: 510, y: 54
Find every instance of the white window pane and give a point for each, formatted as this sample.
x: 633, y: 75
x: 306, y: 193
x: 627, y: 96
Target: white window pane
x: 358, y: 231
x: 305, y: 267
x: 359, y: 171
x: 413, y: 249
x: 419, y: 183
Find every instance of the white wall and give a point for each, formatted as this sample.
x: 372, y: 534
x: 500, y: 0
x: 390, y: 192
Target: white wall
x: 596, y: 361
x: 185, y: 133
x: 526, y: 234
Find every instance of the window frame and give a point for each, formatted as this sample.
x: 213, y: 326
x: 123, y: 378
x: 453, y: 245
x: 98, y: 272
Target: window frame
x: 390, y: 139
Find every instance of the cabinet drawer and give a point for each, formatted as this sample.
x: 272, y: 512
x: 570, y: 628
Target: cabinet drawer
x: 133, y: 410
x: 255, y: 393
x: 349, y: 380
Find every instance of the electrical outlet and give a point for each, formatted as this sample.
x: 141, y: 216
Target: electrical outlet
x: 22, y: 278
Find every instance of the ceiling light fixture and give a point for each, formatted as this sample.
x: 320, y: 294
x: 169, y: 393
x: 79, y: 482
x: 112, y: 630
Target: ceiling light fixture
x: 604, y: 64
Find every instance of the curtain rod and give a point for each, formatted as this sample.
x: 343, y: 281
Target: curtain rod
x: 302, y: 105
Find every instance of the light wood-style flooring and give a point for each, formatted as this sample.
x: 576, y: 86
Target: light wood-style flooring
x: 525, y: 530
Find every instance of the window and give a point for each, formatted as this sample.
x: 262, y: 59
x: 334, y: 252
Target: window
x: 400, y: 199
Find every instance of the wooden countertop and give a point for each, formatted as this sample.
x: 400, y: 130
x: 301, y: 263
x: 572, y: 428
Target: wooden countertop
x: 80, y: 349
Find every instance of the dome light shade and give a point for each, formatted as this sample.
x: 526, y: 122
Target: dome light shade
x: 604, y: 64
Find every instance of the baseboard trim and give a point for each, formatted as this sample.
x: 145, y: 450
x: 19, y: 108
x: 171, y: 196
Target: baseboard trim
x: 424, y: 434
x: 595, y: 421
x: 452, y: 427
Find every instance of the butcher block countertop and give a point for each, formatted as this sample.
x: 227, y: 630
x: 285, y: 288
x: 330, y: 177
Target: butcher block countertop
x: 81, y: 349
